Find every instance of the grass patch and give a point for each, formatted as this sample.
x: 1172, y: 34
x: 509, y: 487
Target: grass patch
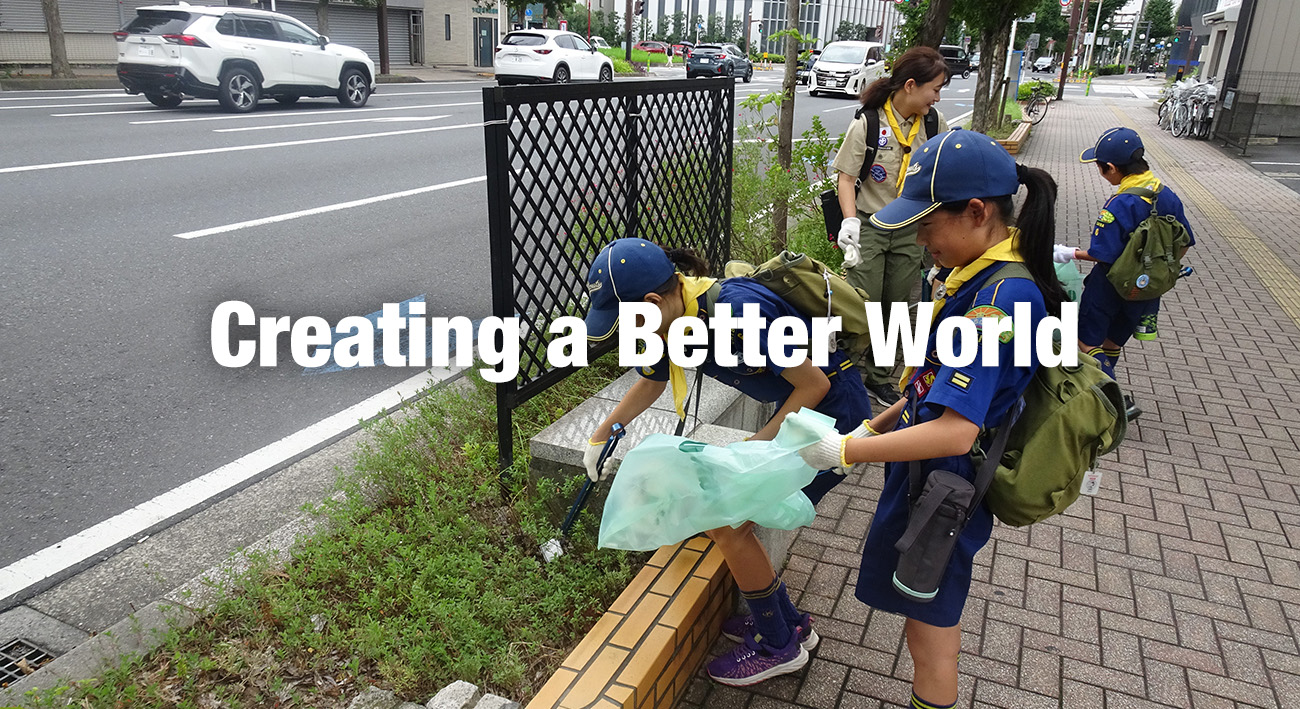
x: 440, y: 581
x: 1013, y: 115
x: 639, y: 56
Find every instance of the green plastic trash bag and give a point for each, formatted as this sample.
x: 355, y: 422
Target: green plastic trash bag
x: 1071, y: 280
x: 669, y: 488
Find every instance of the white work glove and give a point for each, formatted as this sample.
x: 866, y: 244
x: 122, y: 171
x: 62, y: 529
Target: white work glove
x: 826, y: 453
x: 850, y: 229
x: 862, y: 431
x: 1063, y: 254
x: 591, y: 458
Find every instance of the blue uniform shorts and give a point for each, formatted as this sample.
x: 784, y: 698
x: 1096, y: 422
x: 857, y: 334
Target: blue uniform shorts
x: 1104, y: 315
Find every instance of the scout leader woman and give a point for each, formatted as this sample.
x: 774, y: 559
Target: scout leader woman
x: 775, y: 639
x: 960, y: 198
x: 896, y: 117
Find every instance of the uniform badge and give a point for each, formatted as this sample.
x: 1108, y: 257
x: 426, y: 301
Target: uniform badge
x: 878, y: 173
x: 960, y: 380
x: 1105, y: 217
x: 979, y: 312
x: 1142, y: 281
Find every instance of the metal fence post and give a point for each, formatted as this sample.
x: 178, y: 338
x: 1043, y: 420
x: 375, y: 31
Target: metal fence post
x: 501, y: 250
x: 632, y: 163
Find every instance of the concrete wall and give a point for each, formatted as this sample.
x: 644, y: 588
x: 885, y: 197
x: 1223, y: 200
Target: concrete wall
x: 1273, y: 32
x: 1278, y: 120
x: 459, y: 50
x: 34, y: 48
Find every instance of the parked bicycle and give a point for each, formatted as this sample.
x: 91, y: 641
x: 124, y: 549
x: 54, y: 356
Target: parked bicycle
x: 1040, y: 94
x: 1188, y: 109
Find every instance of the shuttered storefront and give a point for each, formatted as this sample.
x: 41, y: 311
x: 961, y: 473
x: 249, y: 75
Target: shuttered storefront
x: 77, y: 15
x: 358, y: 27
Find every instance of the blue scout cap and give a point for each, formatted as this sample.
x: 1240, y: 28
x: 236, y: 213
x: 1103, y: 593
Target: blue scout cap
x: 1116, y: 146
x: 624, y: 271
x: 950, y: 167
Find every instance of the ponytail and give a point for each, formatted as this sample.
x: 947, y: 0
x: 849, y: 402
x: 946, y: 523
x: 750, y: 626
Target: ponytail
x: 1037, y: 222
x: 687, y: 262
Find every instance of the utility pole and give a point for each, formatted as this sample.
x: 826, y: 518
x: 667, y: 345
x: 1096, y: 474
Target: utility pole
x: 627, y: 34
x: 1096, y: 25
x: 1075, y: 14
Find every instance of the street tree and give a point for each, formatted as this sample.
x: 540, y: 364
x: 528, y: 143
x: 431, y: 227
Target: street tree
x: 993, y: 23
x: 59, y: 66
x: 785, y: 121
x: 1161, y: 15
x: 934, y: 24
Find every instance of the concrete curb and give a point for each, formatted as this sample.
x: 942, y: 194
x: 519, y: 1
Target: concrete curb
x: 48, y: 83
x: 140, y: 633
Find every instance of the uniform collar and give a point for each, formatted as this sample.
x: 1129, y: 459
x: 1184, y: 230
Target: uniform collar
x: 1146, y: 179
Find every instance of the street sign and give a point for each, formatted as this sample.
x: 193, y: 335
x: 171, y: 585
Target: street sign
x: 1033, y: 17
x: 564, y: 25
x: 1065, y: 3
x: 528, y: 12
x: 1087, y: 37
x: 1031, y: 42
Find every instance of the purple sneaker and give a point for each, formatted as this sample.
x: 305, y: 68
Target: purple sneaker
x: 738, y: 627
x: 752, y: 661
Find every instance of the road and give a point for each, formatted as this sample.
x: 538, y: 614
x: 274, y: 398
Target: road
x: 127, y: 224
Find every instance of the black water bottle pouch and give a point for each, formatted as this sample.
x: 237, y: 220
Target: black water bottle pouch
x: 935, y: 522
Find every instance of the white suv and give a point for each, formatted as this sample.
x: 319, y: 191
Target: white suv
x: 540, y: 56
x: 236, y: 55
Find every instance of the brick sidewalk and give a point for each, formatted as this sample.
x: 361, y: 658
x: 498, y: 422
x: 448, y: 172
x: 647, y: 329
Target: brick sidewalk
x: 1179, y: 584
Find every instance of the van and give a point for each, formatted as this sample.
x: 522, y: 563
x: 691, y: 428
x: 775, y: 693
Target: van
x: 957, y: 60
x: 845, y: 68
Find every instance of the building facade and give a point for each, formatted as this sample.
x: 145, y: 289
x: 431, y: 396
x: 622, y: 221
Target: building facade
x: 1251, y: 47
x: 88, y: 27
x: 817, y: 18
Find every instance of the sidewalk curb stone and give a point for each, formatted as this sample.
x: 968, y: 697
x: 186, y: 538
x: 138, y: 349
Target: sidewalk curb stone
x: 492, y: 701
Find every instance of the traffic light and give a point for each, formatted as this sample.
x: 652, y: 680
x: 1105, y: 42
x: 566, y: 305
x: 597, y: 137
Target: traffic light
x: 1176, y: 38
x: 638, y: 7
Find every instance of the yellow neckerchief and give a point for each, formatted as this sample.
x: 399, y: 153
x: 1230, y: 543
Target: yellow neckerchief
x: 692, y: 289
x: 1004, y: 250
x: 898, y: 135
x: 1145, y: 179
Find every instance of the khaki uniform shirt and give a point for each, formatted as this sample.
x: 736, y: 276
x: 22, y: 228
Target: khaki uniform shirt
x: 881, y: 186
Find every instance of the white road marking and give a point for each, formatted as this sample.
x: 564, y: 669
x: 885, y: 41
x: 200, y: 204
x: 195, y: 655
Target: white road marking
x: 841, y: 108
x: 962, y: 91
x: 429, y: 93
x: 85, y: 544
x: 1288, y: 164
x: 325, y: 209
x: 1138, y: 93
x: 957, y: 120
x: 231, y: 149
x: 74, y: 105
x: 52, y: 98
x: 376, y: 119
x: 300, y: 114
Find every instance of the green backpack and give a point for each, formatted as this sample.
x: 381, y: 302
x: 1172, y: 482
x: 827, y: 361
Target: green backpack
x: 1148, y: 268
x: 1071, y: 417
x: 803, y: 282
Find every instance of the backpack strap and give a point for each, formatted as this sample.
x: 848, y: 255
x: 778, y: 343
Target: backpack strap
x: 873, y: 140
x: 931, y: 123
x: 1144, y: 193
x: 1007, y: 269
x: 988, y: 468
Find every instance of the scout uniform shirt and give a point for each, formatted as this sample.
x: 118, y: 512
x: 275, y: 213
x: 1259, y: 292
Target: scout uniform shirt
x: 881, y: 187
x: 1122, y: 214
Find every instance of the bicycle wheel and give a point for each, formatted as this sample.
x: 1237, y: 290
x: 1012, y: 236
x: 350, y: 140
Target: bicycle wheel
x: 1036, y: 109
x: 1162, y: 112
x: 1182, y: 120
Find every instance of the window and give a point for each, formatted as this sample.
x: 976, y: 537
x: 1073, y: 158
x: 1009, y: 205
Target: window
x: 159, y: 22
x: 447, y: 19
x: 564, y: 42
x: 226, y: 26
x: 580, y: 44
x: 256, y: 28
x: 522, y: 39
x: 293, y: 33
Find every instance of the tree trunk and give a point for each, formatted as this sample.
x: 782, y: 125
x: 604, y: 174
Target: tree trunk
x: 383, y: 36
x: 785, y: 127
x: 935, y: 22
x: 984, y: 77
x: 323, y: 17
x: 59, y: 66
x: 995, y: 107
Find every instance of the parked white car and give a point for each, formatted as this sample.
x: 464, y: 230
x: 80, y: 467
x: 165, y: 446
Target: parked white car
x: 237, y: 55
x: 846, y: 67
x: 543, y: 56
x: 599, y: 42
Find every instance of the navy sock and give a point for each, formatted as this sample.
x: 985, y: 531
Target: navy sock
x: 1100, y: 355
x: 919, y: 703
x: 791, y: 614
x: 769, y: 620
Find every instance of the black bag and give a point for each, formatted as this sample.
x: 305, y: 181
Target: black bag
x: 941, y: 505
x: 831, y: 212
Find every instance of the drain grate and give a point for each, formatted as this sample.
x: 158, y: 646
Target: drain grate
x: 14, y: 655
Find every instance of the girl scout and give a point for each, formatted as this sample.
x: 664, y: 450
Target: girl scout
x: 886, y: 264
x: 1106, y: 320
x: 775, y: 640
x: 961, y: 201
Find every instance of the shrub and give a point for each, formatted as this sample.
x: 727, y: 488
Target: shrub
x: 1022, y: 94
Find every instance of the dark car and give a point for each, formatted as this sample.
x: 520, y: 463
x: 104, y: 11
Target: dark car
x: 719, y: 60
x: 804, y: 70
x: 957, y: 60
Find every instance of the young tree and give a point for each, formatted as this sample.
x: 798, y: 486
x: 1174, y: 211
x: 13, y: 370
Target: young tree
x: 993, y: 22
x: 1161, y: 15
x: 785, y: 125
x: 59, y: 66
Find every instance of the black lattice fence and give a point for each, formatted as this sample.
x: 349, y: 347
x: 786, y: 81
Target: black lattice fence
x: 572, y: 167
x: 1236, y: 122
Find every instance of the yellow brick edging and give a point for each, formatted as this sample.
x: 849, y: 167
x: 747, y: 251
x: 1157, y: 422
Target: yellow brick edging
x: 645, y: 649
x: 1018, y: 137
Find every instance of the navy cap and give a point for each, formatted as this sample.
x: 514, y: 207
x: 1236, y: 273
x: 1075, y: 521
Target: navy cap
x: 950, y: 167
x: 1116, y: 146
x: 627, y: 270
